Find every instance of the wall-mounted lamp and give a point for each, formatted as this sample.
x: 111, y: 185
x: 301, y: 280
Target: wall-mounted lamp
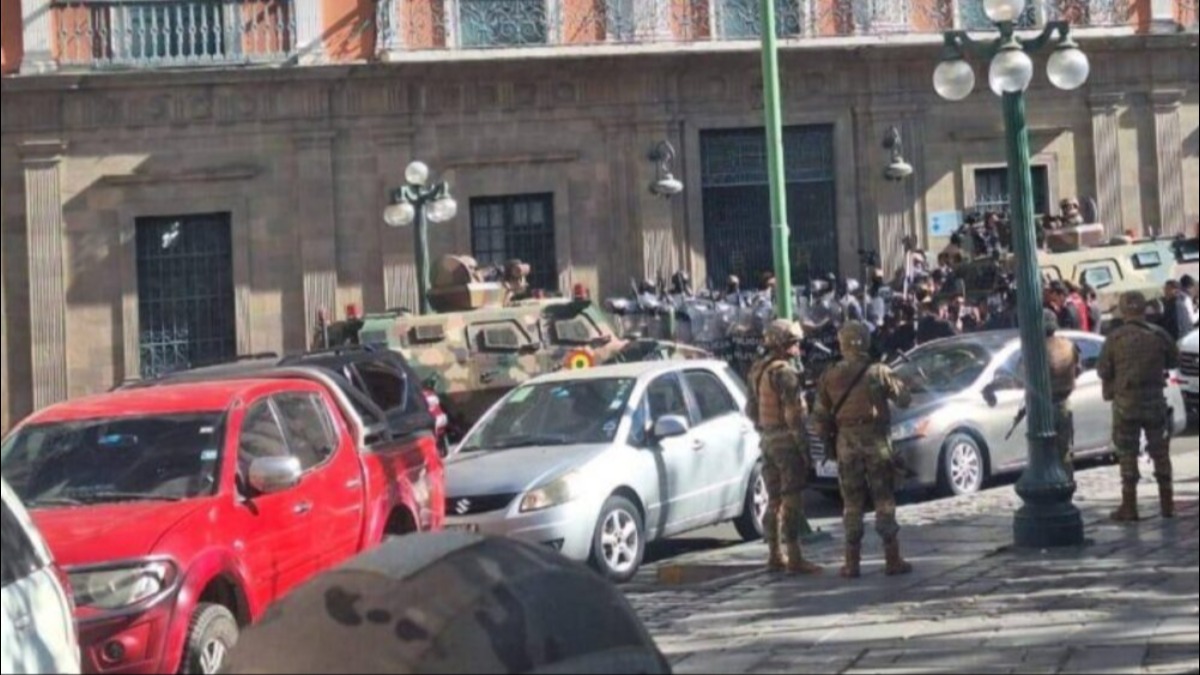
x: 666, y: 185
x: 898, y: 170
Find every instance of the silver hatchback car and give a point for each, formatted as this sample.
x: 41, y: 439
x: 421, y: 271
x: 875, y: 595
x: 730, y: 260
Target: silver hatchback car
x: 597, y: 463
x: 955, y: 440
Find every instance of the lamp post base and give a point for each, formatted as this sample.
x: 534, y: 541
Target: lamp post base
x: 1048, y: 519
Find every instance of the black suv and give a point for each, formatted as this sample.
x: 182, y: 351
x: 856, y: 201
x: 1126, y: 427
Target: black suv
x: 377, y: 382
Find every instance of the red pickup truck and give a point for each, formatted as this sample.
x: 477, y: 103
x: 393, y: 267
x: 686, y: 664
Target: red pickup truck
x: 182, y: 512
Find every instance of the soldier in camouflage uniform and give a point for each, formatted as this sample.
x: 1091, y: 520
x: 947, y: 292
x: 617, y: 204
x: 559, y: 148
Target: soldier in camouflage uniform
x: 778, y: 410
x: 1133, y: 367
x: 1063, y: 357
x: 853, y: 400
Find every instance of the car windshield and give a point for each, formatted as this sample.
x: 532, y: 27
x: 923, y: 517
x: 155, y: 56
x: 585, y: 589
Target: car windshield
x: 165, y: 458
x: 946, y: 368
x: 586, y: 412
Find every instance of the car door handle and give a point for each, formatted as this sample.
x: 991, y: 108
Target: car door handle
x: 302, y: 509
x: 354, y: 484
x: 698, y: 445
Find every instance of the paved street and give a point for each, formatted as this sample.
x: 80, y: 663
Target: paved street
x: 1127, y: 603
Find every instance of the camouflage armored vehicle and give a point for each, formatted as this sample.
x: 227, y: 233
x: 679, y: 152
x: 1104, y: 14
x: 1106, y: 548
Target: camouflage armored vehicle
x: 483, y: 343
x: 1111, y: 268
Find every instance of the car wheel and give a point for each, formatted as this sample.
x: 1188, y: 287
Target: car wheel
x: 964, y: 466
x: 214, y: 633
x: 619, y: 544
x: 750, y: 524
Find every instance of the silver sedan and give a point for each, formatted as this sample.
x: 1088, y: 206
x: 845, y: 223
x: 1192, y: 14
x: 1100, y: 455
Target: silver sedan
x: 955, y: 441
x: 597, y: 463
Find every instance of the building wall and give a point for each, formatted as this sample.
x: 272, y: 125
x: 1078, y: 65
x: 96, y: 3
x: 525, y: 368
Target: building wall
x: 10, y: 36
x: 305, y: 161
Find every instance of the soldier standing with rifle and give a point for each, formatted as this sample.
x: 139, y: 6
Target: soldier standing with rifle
x: 1133, y: 367
x: 778, y: 410
x: 853, y: 405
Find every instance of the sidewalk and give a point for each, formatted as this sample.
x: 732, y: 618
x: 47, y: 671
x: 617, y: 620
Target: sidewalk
x: 1127, y: 603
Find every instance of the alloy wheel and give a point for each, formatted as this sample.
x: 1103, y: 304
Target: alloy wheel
x: 620, y: 541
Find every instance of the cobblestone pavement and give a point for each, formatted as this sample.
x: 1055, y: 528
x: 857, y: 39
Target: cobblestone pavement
x: 1127, y: 603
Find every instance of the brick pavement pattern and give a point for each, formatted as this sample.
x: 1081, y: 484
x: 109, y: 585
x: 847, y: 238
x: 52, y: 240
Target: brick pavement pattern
x: 1127, y: 603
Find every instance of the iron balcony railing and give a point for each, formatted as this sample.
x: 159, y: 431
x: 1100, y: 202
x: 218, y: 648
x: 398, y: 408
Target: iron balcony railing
x: 173, y: 33
x: 413, y: 25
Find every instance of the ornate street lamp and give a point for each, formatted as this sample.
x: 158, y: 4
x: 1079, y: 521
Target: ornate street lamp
x: 420, y: 203
x: 1048, y: 518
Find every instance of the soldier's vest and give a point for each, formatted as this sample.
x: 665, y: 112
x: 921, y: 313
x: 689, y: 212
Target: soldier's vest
x: 1142, y: 360
x: 1061, y: 352
x: 770, y: 402
x: 865, y: 406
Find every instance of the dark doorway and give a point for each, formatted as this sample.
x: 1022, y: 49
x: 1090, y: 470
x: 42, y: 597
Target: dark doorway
x: 737, y: 210
x: 185, y: 292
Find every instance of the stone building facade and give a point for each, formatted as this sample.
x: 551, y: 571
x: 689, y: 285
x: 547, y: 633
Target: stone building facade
x: 222, y: 209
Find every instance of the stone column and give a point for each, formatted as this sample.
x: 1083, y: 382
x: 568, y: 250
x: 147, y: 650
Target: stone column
x: 1169, y: 155
x: 1106, y: 148
x: 47, y: 285
x: 310, y: 31
x: 318, y: 225
x: 38, y: 29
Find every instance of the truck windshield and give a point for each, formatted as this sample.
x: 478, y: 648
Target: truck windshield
x: 162, y: 458
x: 586, y: 412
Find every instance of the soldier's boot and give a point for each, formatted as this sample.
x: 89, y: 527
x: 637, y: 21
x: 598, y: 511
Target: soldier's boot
x: 775, y: 563
x: 1166, y: 496
x: 797, y: 566
x: 1128, y: 513
x: 853, y: 567
x: 896, y: 566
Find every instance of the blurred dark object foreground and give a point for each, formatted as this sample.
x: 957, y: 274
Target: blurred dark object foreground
x: 452, y: 603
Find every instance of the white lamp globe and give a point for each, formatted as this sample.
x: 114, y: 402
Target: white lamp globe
x: 443, y: 210
x: 1002, y: 11
x: 400, y: 215
x: 1011, y: 72
x: 417, y: 173
x: 954, y: 80
x: 1069, y: 68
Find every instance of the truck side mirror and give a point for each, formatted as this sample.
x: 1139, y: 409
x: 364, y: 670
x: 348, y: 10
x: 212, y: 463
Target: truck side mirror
x: 271, y: 475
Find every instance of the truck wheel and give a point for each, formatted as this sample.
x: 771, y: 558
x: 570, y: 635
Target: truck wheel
x: 750, y: 525
x: 214, y: 633
x: 620, y: 541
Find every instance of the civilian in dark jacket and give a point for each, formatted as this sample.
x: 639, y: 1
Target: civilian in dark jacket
x: 1057, y: 300
x: 932, y: 326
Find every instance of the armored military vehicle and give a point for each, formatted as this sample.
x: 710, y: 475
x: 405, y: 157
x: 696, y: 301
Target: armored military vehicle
x: 1081, y: 255
x: 484, y: 341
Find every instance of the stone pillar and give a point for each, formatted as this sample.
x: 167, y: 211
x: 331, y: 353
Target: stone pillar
x: 1106, y: 148
x: 1169, y: 155
x: 38, y: 25
x: 318, y: 225
x: 47, y: 285
x: 310, y: 31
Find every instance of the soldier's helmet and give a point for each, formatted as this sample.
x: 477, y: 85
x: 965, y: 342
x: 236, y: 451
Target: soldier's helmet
x: 1051, y: 321
x: 782, y: 334
x: 854, y: 338
x: 1133, y: 306
x: 452, y: 603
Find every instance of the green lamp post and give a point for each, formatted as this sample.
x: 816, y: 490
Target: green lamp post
x: 780, y: 233
x: 420, y: 203
x: 1048, y: 518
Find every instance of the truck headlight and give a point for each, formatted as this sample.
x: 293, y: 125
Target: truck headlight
x: 115, y: 589
x: 911, y: 430
x: 561, y: 491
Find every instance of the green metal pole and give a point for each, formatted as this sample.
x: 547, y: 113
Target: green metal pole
x: 1048, y: 518
x: 780, y: 233
x: 422, y: 254
x: 784, y: 302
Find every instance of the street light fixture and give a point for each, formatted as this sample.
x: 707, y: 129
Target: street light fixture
x: 420, y: 204
x: 1048, y: 518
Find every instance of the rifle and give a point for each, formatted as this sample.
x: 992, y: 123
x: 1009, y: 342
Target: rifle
x: 1021, y: 414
